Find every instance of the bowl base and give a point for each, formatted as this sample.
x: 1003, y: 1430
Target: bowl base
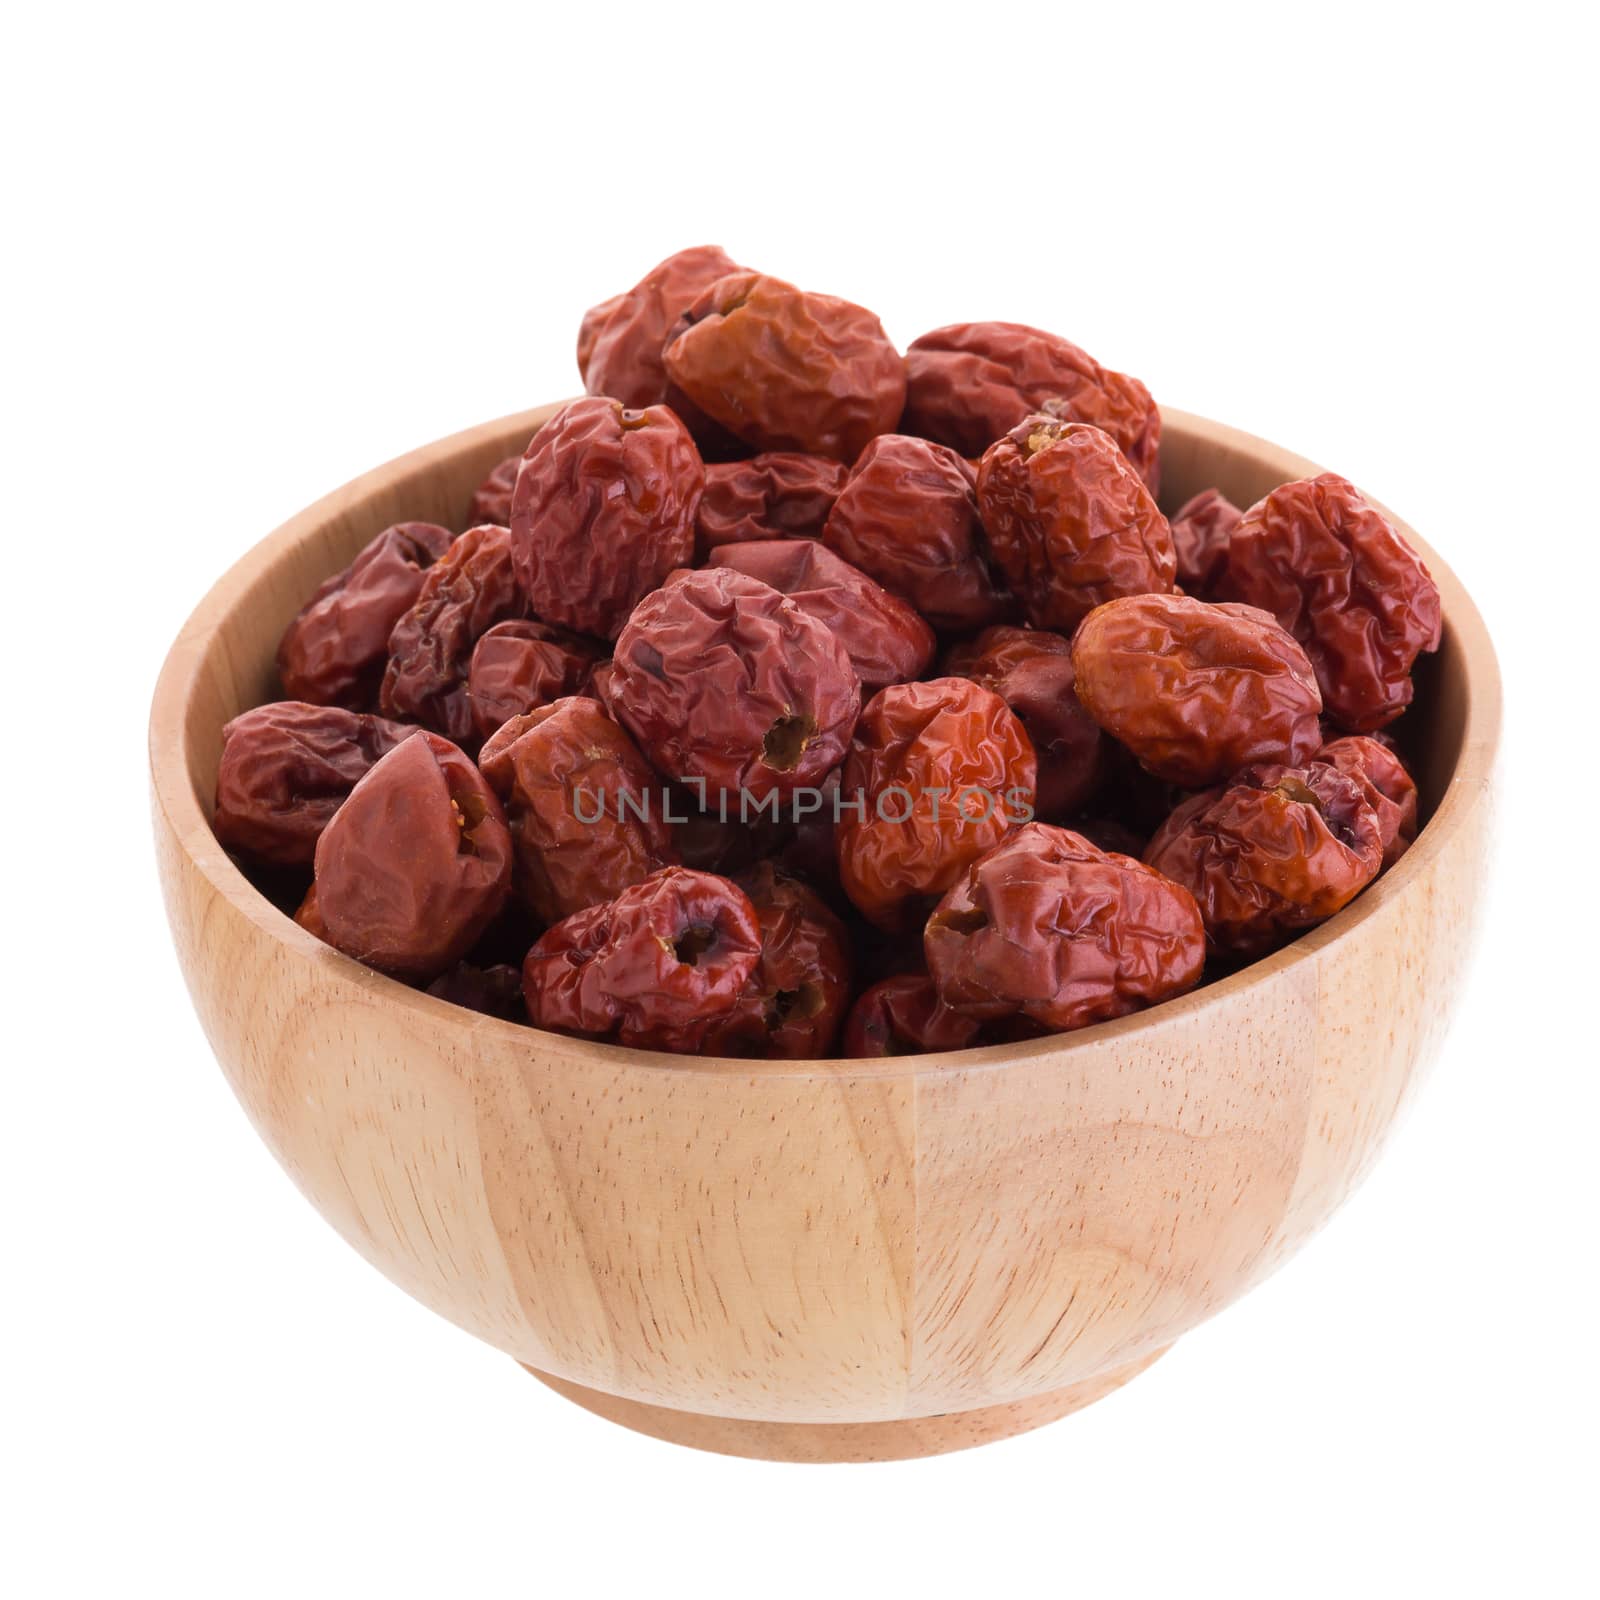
x: 900, y: 1440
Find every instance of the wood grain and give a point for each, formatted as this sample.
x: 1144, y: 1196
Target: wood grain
x: 832, y: 1260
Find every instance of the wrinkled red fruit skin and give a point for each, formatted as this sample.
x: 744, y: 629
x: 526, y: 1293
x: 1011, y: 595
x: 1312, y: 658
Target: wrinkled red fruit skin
x: 1031, y: 670
x: 334, y: 651
x: 970, y: 382
x: 1197, y: 691
x: 614, y: 971
x: 620, y: 340
x: 491, y: 501
x: 494, y: 991
x: 777, y: 495
x: 519, y: 666
x: 286, y: 768
x: 1385, y: 785
x: 1048, y: 926
x: 794, y: 1002
x: 430, y: 650
x: 886, y: 640
x: 946, y: 734
x: 584, y: 806
x: 1201, y: 529
x: 416, y: 863
x: 1070, y: 523
x: 904, y: 1016
x: 1334, y: 571
x: 726, y: 845
x: 309, y: 917
x: 1276, y: 851
x: 908, y: 517
x: 787, y: 370
x: 721, y: 678
x: 604, y: 509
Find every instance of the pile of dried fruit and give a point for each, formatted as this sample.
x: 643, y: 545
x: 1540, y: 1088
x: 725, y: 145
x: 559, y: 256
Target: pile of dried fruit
x: 790, y: 697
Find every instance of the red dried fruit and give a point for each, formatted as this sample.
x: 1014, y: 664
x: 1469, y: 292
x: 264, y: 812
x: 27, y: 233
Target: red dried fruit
x: 794, y: 1002
x: 886, y: 640
x: 1274, y: 852
x: 1049, y: 926
x: 309, y: 917
x: 776, y: 495
x: 494, y: 991
x: 603, y: 510
x: 715, y: 838
x: 723, y: 680
x: 904, y: 1016
x: 620, y: 340
x: 968, y: 383
x: 652, y: 968
x: 286, y: 768
x: 585, y: 809
x: 334, y: 651
x: 519, y: 666
x: 1197, y: 691
x: 787, y: 370
x: 1031, y: 670
x: 416, y: 863
x: 939, y: 772
x: 491, y: 502
x: 469, y: 590
x: 1201, y: 529
x: 1070, y: 523
x: 1384, y: 783
x: 1334, y: 571
x: 908, y: 516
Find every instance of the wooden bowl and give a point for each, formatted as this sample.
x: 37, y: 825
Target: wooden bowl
x: 834, y: 1260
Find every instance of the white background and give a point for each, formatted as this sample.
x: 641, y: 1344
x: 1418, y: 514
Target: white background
x: 254, y: 252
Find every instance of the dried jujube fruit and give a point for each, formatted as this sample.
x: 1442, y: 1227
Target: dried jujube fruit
x: 286, y: 768
x: 715, y: 792
x: 519, y: 666
x: 908, y: 517
x: 494, y: 991
x: 585, y: 809
x: 334, y: 651
x: 1194, y: 690
x: 1275, y: 851
x: 1069, y: 522
x: 724, y: 681
x: 652, y: 968
x: 886, y: 640
x: 491, y: 501
x: 938, y: 773
x: 970, y: 382
x: 793, y: 1004
x: 1031, y: 670
x: 903, y: 1016
x: 1201, y: 529
x: 309, y: 917
x: 620, y: 340
x: 1048, y: 926
x: 603, y: 510
x: 779, y: 494
x: 784, y: 369
x: 1386, y: 785
x: 469, y: 590
x: 1336, y: 573
x: 416, y: 863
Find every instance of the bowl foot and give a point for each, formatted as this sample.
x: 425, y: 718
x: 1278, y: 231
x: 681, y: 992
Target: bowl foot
x: 847, y: 1441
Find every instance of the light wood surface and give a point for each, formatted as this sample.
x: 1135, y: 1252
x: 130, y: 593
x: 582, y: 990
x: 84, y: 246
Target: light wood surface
x: 832, y: 1260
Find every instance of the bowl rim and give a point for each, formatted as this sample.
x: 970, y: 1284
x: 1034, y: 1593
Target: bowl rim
x: 178, y: 803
